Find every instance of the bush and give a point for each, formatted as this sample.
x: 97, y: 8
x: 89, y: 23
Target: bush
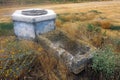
x: 92, y: 28
x: 104, y: 61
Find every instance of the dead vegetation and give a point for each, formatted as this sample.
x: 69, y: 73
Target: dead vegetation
x: 25, y: 60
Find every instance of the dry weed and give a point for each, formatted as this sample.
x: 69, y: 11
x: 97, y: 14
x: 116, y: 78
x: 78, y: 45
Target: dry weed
x: 105, y: 24
x: 58, y: 23
x: 52, y: 68
x: 90, y: 15
x: 97, y: 41
x: 70, y: 28
x: 66, y: 17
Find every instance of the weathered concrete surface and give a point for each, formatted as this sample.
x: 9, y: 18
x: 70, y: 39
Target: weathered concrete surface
x: 18, y: 16
x: 25, y: 30
x: 28, y: 27
x: 72, y: 53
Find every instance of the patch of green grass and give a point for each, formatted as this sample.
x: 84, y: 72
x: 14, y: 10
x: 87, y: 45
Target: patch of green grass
x: 6, y: 29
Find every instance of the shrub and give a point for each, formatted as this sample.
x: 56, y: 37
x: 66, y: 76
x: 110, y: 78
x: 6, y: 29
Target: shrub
x: 104, y: 61
x: 92, y: 28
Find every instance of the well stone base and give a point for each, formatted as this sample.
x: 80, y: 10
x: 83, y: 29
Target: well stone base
x: 31, y: 30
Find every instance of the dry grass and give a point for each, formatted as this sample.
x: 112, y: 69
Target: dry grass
x: 45, y: 66
x: 105, y: 24
x: 58, y: 23
x: 70, y: 28
x: 78, y: 28
x: 52, y: 67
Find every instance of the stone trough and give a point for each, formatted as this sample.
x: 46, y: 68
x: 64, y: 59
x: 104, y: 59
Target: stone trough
x: 29, y: 23
x: 74, y: 54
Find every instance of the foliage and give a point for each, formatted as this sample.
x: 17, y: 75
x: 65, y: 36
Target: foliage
x: 14, y: 65
x: 18, y: 60
x: 104, y: 61
x: 92, y: 28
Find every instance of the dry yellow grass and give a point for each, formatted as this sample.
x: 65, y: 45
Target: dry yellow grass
x: 70, y: 28
x: 58, y: 23
x: 52, y: 68
x: 46, y: 66
x: 109, y: 9
x: 97, y: 41
x: 105, y: 24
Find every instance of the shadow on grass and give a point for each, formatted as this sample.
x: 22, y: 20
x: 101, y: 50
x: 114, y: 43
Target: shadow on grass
x: 115, y: 28
x: 6, y: 29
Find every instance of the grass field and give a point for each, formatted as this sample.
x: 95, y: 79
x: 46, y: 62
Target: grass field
x: 93, y: 23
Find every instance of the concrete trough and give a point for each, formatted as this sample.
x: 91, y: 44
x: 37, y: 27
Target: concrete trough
x: 29, y: 23
x: 74, y: 54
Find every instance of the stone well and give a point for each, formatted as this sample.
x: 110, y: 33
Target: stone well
x: 29, y: 23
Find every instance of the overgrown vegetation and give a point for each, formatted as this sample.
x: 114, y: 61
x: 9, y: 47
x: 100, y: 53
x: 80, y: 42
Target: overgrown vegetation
x: 79, y: 25
x: 26, y: 60
x: 18, y: 58
x: 106, y: 64
x: 16, y: 65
